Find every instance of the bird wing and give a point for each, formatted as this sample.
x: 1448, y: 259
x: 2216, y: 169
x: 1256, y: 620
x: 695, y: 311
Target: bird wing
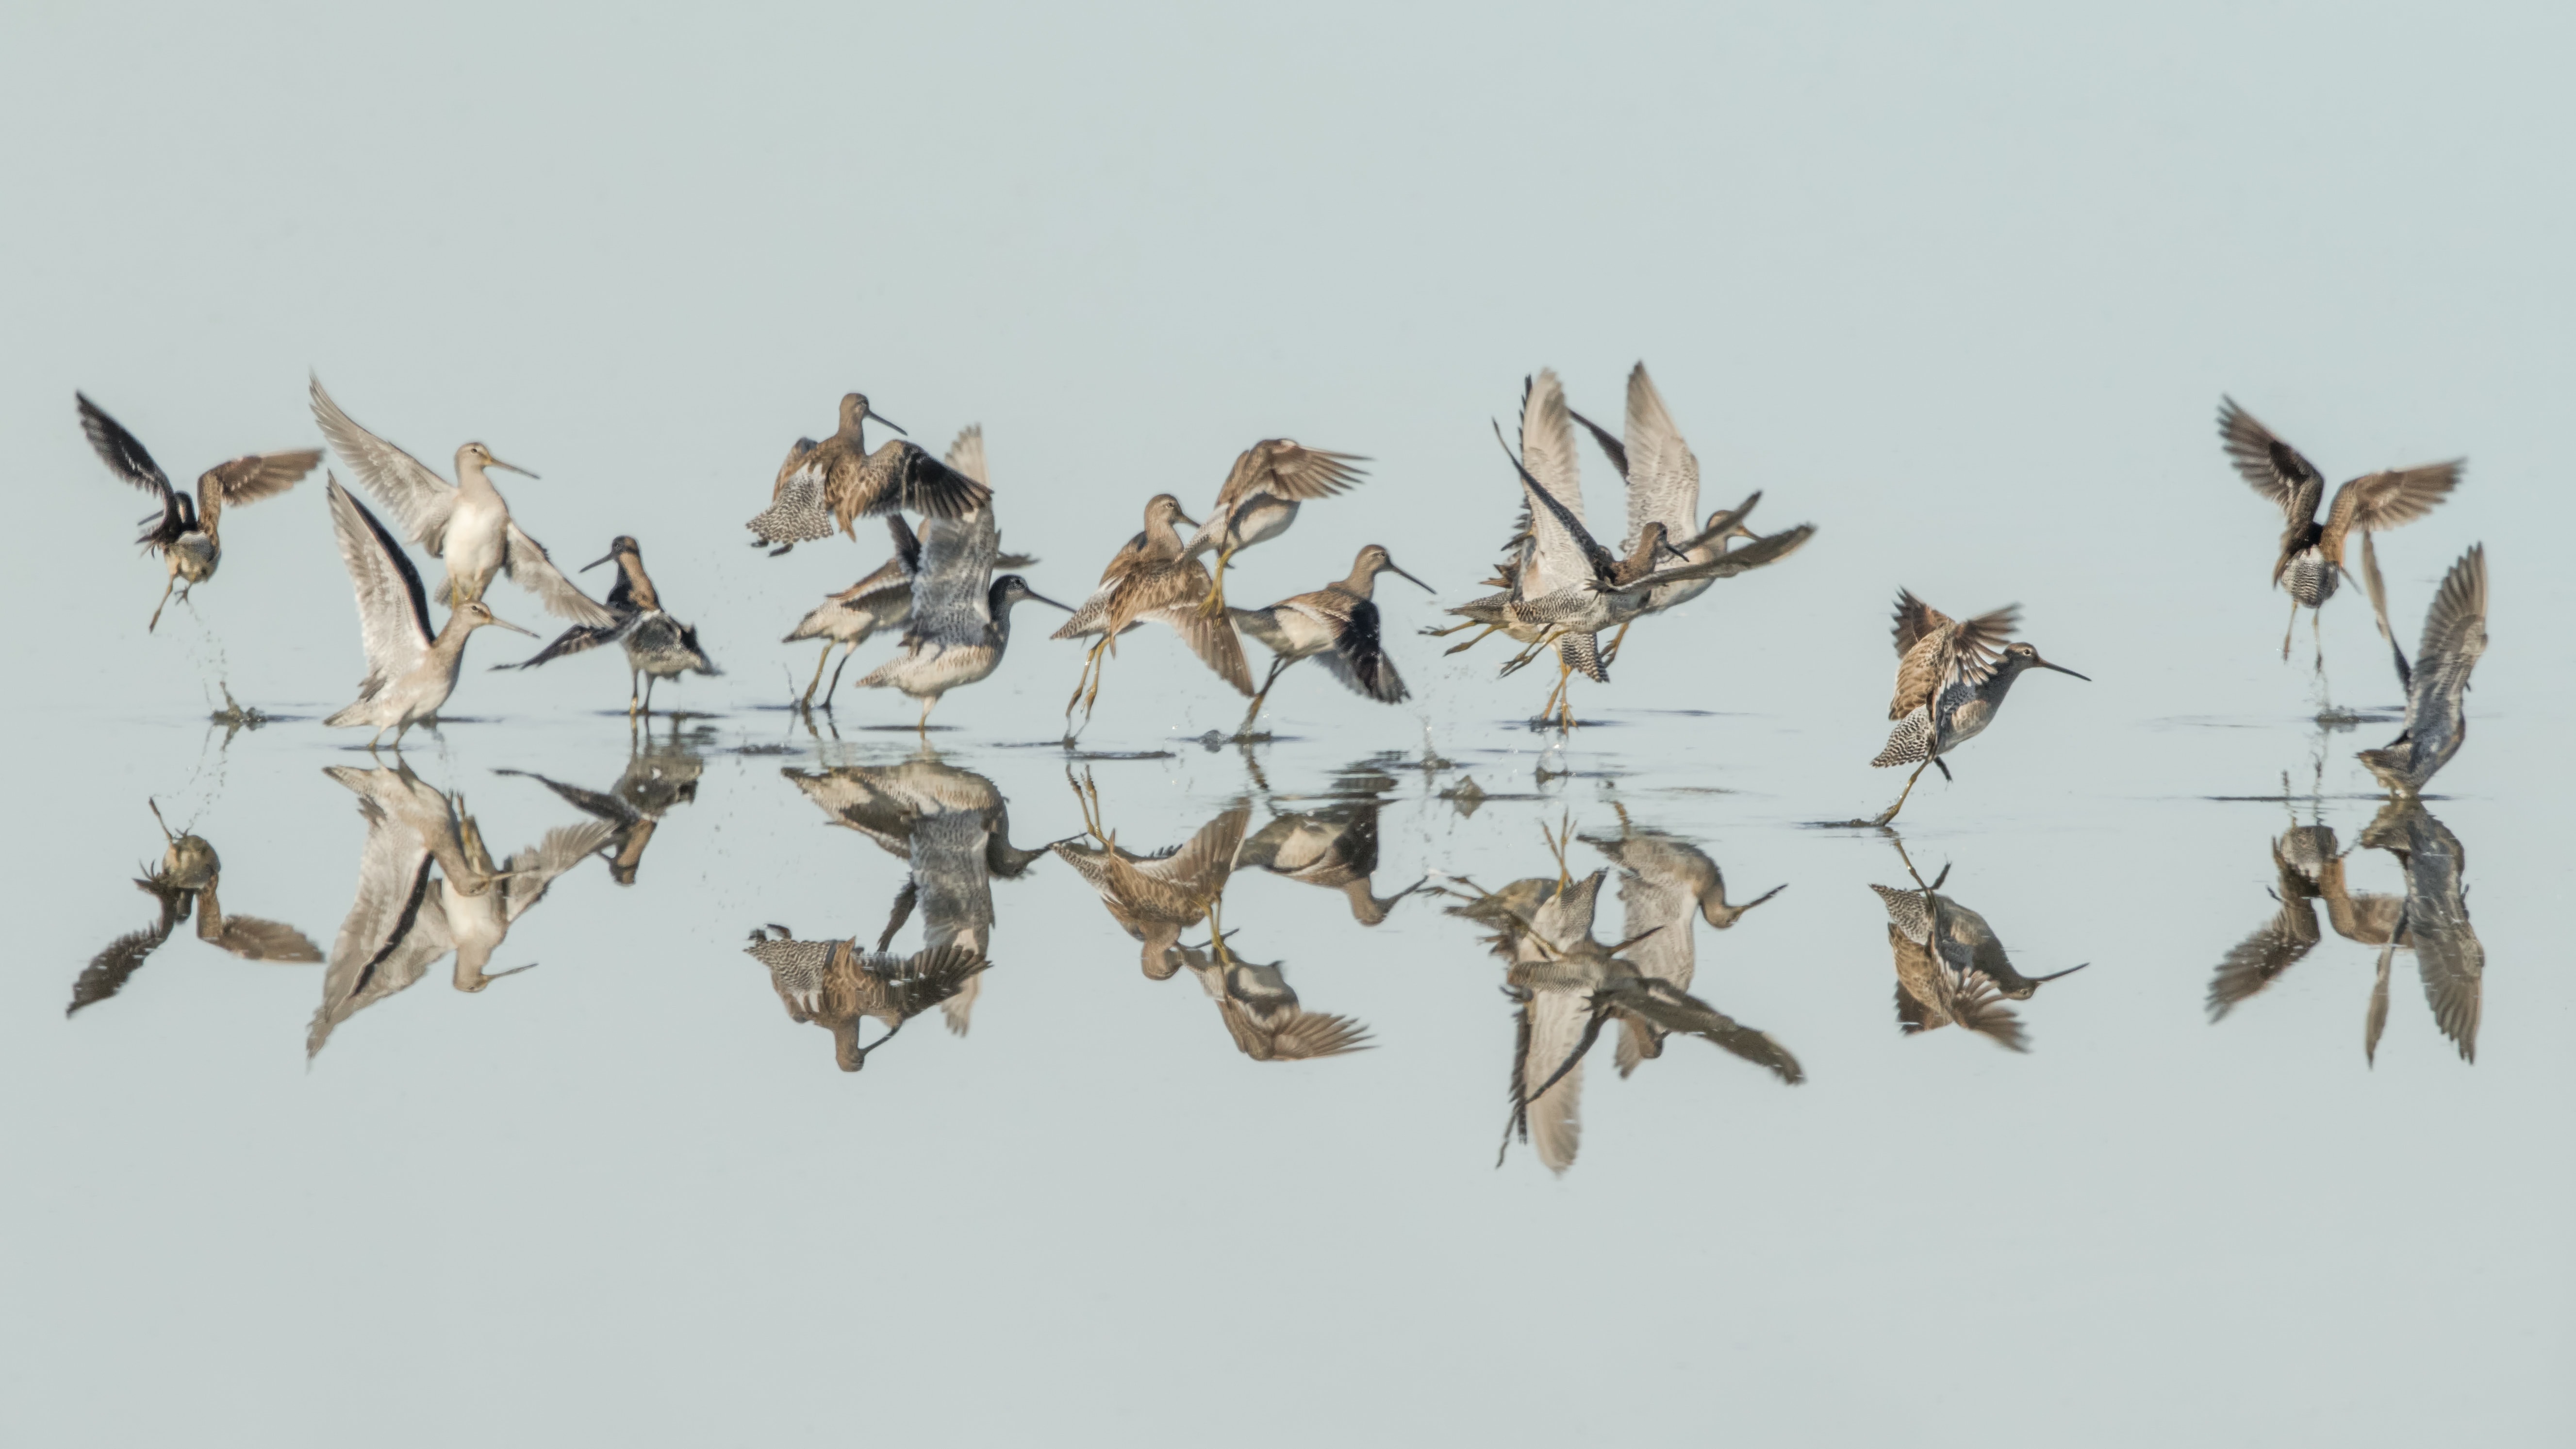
x: 2258, y: 960
x: 2455, y: 635
x: 1206, y: 859
x: 1768, y: 549
x: 1547, y: 441
x: 902, y: 476
x: 1663, y: 474
x: 966, y: 455
x: 1312, y: 1034
x: 531, y: 568
x: 1171, y: 595
x: 109, y: 970
x: 797, y: 453
x: 1285, y: 469
x: 2271, y: 467
x: 952, y: 593
x: 1676, y: 1010
x: 2381, y: 501
x: 126, y: 457
x: 1914, y: 619
x: 1358, y: 657
x: 419, y: 499
x: 254, y: 939
x: 2453, y: 963
x: 1555, y: 1021
x: 395, y: 927
x: 248, y: 479
x: 578, y: 639
x: 1563, y: 553
x: 393, y: 609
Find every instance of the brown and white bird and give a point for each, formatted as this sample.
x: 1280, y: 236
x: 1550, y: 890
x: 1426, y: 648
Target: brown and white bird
x: 1269, y: 482
x: 1153, y: 579
x: 832, y: 484
x: 1951, y: 679
x: 2311, y: 560
x: 186, y: 533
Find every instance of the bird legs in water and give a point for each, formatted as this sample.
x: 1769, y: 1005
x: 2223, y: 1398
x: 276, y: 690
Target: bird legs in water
x: 922, y: 725
x: 1610, y: 655
x: 1890, y: 812
x: 807, y: 702
x: 1244, y: 730
x: 1562, y: 701
x: 1091, y: 670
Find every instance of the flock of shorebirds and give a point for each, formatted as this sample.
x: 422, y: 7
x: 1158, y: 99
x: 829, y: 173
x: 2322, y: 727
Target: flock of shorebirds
x: 1558, y: 588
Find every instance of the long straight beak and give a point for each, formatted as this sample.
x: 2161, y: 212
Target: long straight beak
x: 1037, y: 597
x: 2062, y: 669
x: 898, y: 427
x: 511, y: 468
x: 2053, y: 975
x: 608, y: 557
x: 1391, y: 568
x: 513, y: 628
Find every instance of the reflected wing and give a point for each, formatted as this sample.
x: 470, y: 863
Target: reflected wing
x: 254, y: 939
x: 395, y: 928
x: 2269, y: 466
x: 1312, y: 1034
x: 1663, y: 474
x: 393, y: 609
x: 1556, y: 1022
x: 2381, y: 501
x: 562, y: 848
x: 248, y: 479
x: 966, y: 455
x: 419, y: 499
x: 1676, y: 1010
x: 108, y: 971
x: 533, y: 570
x: 2453, y: 964
x: 1203, y: 863
x: 2259, y: 959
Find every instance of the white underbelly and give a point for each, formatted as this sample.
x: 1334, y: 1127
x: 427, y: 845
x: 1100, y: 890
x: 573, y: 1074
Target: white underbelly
x: 477, y: 542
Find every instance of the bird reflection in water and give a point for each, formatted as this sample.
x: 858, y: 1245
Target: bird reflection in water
x: 952, y: 830
x: 661, y: 775
x: 185, y: 883
x: 837, y: 986
x: 1568, y: 985
x: 2431, y: 919
x: 1261, y: 1011
x: 1154, y: 898
x: 427, y: 886
x: 1334, y: 846
x: 1951, y: 969
x: 1662, y: 880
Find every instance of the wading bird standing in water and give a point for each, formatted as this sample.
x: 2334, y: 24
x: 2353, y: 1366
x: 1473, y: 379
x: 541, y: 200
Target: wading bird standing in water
x: 185, y: 532
x: 2311, y: 559
x: 657, y: 645
x: 1951, y: 679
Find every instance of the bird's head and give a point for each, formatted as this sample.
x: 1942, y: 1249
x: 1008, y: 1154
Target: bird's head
x: 2021, y: 654
x: 478, y: 457
x: 474, y: 614
x: 855, y: 410
x: 1011, y: 589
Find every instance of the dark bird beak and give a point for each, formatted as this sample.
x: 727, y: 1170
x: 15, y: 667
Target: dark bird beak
x: 2069, y: 971
x: 512, y: 468
x: 2060, y: 668
x: 1037, y: 597
x: 607, y: 557
x: 889, y: 422
x: 515, y: 629
x: 1391, y: 568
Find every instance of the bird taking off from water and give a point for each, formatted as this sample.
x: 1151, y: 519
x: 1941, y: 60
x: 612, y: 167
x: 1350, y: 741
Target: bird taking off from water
x: 467, y: 523
x: 657, y: 645
x: 2312, y: 553
x: 185, y: 532
x: 1951, y: 679
x: 1339, y: 624
x: 2455, y: 634
x: 830, y: 485
x: 1152, y: 578
x: 410, y: 671
x: 1662, y: 474
x: 1270, y: 480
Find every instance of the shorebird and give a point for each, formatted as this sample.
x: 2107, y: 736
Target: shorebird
x: 1339, y: 623
x: 1335, y: 848
x: 1152, y: 579
x: 1951, y: 970
x: 478, y: 922
x: 657, y: 645
x: 2433, y: 923
x: 1153, y: 898
x: 660, y: 776
x: 2307, y: 866
x: 960, y: 616
x: 1262, y: 1013
x: 1663, y: 881
x: 882, y: 600
x: 833, y: 483
x: 467, y: 523
x: 836, y: 985
x: 1951, y: 679
x: 956, y: 832
x: 2311, y: 558
x: 1662, y: 475
x: 186, y: 533
x: 1560, y: 586
x: 186, y: 882
x: 1268, y: 483
x: 2437, y: 721
x: 410, y: 671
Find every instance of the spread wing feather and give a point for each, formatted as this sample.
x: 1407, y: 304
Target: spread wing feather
x: 419, y: 499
